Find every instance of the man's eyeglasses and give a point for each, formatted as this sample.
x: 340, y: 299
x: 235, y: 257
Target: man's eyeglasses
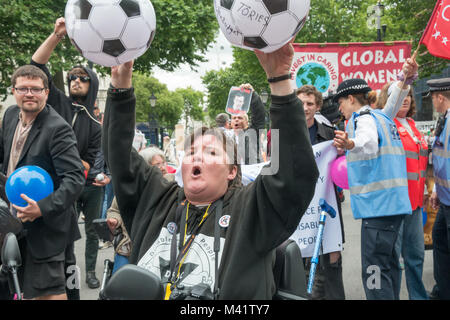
x: 82, y: 78
x: 26, y: 90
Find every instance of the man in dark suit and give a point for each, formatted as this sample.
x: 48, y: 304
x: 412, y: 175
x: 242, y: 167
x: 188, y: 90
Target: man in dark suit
x: 34, y: 134
x: 78, y: 110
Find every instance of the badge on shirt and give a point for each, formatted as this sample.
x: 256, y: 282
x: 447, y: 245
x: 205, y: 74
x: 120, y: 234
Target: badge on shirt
x: 394, y: 132
x: 172, y: 227
x: 224, y: 221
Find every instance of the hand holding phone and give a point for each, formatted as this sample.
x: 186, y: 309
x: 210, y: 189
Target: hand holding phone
x: 102, y: 229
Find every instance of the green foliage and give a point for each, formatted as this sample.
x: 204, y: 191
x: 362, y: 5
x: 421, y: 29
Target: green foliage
x: 183, y: 33
x: 409, y: 18
x: 245, y: 69
x: 24, y: 25
x: 169, y: 105
x: 192, y: 104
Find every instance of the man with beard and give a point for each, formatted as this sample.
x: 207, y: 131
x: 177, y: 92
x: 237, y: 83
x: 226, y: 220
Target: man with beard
x: 34, y: 134
x: 77, y: 110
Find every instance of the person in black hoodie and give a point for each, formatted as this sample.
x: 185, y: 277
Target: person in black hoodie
x: 77, y: 109
x: 233, y: 229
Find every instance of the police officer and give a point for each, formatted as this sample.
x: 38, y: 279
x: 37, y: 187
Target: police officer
x: 440, y: 96
x: 377, y: 177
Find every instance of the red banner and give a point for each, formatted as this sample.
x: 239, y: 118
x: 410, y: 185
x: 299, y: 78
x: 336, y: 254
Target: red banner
x: 437, y: 34
x: 325, y: 65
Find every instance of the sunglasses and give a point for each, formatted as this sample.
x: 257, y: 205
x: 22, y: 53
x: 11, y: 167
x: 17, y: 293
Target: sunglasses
x: 82, y: 78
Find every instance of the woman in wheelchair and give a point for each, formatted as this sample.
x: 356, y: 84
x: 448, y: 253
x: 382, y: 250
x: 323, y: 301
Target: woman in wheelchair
x: 213, y: 236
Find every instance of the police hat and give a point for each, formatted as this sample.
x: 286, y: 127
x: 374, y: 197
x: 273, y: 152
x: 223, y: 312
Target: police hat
x: 351, y: 86
x: 439, y: 84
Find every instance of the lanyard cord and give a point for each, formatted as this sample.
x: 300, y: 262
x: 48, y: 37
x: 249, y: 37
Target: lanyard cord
x: 186, y: 244
x: 217, y: 248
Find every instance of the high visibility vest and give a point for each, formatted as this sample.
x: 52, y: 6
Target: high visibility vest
x: 378, y: 182
x: 416, y: 151
x: 441, y: 164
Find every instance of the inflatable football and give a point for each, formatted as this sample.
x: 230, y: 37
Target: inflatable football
x: 265, y: 25
x: 110, y: 32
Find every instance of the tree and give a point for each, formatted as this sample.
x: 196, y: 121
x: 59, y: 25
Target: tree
x: 169, y: 105
x: 24, y: 24
x: 218, y: 84
x: 410, y: 18
x: 192, y: 105
x: 184, y: 31
x: 245, y: 69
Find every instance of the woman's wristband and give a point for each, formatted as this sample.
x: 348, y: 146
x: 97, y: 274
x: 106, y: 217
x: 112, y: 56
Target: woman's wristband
x: 280, y: 78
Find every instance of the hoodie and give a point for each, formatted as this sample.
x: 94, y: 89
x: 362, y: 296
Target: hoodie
x: 87, y: 131
x: 255, y: 219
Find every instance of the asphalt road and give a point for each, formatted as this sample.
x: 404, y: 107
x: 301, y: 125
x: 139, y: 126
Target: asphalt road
x: 351, y: 257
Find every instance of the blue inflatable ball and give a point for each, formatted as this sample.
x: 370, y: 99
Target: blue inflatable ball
x: 32, y: 181
x: 424, y: 217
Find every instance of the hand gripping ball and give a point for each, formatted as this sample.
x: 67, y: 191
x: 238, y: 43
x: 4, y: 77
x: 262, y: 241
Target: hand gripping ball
x: 339, y: 172
x: 32, y: 181
x: 266, y: 25
x: 110, y: 32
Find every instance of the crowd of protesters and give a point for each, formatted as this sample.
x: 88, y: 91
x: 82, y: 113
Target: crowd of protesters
x: 102, y: 164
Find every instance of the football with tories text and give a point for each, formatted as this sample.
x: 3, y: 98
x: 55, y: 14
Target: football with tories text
x: 265, y: 25
x: 110, y: 32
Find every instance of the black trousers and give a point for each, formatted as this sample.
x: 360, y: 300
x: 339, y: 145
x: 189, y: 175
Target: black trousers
x: 90, y: 203
x: 381, y: 274
x: 441, y: 251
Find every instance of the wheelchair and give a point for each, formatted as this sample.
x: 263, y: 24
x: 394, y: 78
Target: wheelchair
x: 131, y: 282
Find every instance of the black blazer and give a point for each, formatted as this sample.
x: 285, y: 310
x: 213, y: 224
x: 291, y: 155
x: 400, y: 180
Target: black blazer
x: 51, y: 145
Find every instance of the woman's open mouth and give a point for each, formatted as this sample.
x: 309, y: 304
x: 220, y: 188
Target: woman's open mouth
x: 196, y: 171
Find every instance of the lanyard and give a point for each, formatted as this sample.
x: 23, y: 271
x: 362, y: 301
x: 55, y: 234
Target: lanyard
x: 177, y: 261
x: 186, y: 243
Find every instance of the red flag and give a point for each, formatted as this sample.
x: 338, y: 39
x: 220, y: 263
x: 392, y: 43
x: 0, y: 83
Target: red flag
x: 437, y: 34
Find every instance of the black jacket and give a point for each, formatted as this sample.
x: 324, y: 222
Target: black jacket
x: 87, y: 131
x: 262, y: 214
x: 50, y: 145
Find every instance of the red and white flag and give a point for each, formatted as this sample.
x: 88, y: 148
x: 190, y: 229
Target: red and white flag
x: 437, y: 34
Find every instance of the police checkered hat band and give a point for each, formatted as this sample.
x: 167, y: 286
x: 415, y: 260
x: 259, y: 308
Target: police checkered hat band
x: 351, y: 86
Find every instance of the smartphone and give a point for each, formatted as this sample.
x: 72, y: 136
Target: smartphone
x: 102, y: 229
